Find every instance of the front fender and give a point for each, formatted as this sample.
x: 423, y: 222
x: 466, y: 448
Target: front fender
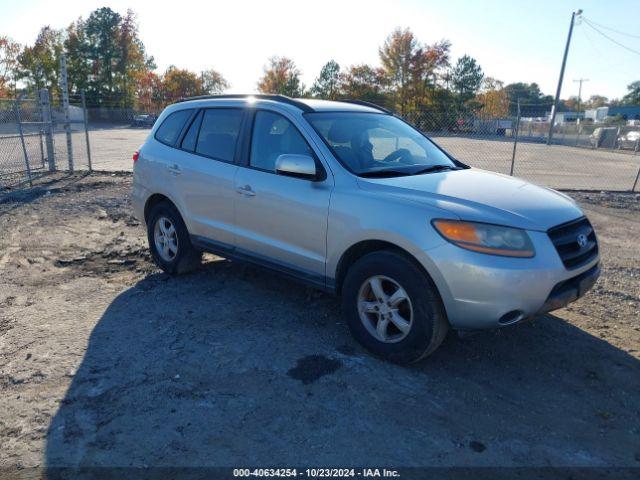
x: 405, y: 224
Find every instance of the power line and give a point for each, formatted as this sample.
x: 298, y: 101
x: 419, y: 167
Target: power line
x: 637, y: 52
x: 612, y: 29
x: 603, y: 59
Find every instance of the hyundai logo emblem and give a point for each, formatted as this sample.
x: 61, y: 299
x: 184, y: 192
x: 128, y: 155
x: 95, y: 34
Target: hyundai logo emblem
x: 582, y: 240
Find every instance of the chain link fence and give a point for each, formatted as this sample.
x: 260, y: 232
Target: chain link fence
x: 39, y: 135
x: 105, y: 135
x: 624, y: 138
x: 71, y: 134
x: 576, y: 157
x: 117, y: 129
x: 23, y: 151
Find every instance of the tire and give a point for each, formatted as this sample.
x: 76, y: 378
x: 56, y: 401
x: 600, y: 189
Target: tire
x: 185, y: 258
x: 428, y: 323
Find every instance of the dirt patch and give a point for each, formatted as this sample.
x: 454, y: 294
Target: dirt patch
x: 113, y: 258
x: 625, y: 201
x: 105, y: 361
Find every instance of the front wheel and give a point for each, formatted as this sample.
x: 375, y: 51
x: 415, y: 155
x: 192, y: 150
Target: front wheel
x: 393, y: 308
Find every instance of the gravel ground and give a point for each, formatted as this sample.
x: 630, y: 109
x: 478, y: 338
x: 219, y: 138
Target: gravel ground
x: 105, y: 361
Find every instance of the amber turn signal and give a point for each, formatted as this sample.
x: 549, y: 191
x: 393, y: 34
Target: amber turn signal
x: 486, y: 238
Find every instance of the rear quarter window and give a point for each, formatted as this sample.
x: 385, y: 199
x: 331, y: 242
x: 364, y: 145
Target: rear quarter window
x: 171, y: 127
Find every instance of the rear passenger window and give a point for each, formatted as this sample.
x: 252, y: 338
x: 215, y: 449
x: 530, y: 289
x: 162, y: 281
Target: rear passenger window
x: 189, y: 140
x: 219, y: 132
x: 170, y: 129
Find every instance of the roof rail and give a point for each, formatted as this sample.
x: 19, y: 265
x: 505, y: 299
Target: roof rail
x: 276, y: 98
x: 368, y: 104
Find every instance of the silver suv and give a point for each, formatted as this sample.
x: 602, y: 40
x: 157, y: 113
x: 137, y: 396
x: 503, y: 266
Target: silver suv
x: 351, y: 199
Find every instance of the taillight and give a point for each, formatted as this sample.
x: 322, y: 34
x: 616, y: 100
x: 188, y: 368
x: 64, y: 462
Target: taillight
x: 136, y: 154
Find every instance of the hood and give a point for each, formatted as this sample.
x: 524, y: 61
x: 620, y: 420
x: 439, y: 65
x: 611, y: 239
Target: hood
x: 481, y: 196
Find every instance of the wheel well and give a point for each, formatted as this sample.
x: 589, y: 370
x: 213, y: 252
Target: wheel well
x: 152, y: 201
x: 360, y: 249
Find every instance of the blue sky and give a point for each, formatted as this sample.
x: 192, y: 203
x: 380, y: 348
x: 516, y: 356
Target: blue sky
x: 513, y: 41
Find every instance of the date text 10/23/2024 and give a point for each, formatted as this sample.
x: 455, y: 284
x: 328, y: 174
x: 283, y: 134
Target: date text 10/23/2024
x: 317, y: 472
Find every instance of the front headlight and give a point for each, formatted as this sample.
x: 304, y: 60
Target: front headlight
x: 486, y: 238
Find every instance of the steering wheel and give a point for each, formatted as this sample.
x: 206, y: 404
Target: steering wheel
x: 402, y: 155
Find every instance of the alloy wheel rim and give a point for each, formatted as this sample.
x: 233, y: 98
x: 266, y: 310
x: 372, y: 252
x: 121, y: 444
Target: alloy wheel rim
x: 165, y: 238
x: 385, y: 309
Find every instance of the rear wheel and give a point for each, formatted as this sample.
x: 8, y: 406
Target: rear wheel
x: 393, y: 308
x: 169, y: 241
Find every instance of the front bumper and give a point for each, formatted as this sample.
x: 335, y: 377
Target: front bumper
x: 569, y: 291
x: 482, y: 291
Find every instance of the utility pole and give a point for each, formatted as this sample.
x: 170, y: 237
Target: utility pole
x: 580, y: 81
x: 515, y: 141
x: 554, y: 109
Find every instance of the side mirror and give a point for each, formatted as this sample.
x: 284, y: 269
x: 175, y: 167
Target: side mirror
x: 296, y: 165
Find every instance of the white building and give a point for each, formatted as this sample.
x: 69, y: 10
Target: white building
x: 597, y: 114
x: 564, y: 117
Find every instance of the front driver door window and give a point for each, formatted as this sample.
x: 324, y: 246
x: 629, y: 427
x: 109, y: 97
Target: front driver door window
x: 274, y: 135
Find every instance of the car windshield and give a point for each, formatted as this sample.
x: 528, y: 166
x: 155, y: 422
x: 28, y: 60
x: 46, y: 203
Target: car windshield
x: 376, y: 144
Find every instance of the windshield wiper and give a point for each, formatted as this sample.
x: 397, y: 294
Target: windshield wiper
x: 435, y: 168
x: 387, y: 172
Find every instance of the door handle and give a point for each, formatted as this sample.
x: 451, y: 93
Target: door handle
x: 246, y: 191
x: 174, y: 169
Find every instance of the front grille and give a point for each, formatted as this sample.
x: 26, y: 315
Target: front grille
x: 566, y: 238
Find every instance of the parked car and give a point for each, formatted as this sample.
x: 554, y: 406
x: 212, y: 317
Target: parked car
x: 630, y: 140
x: 351, y: 199
x: 145, y: 120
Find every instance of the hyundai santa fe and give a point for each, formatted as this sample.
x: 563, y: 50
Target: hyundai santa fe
x: 349, y: 198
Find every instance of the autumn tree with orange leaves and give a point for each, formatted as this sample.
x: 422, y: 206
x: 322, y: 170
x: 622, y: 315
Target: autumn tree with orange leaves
x: 493, y: 99
x: 412, y: 68
x: 281, y: 76
x: 9, y: 51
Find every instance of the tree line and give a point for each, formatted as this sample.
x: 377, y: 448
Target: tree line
x: 107, y: 59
